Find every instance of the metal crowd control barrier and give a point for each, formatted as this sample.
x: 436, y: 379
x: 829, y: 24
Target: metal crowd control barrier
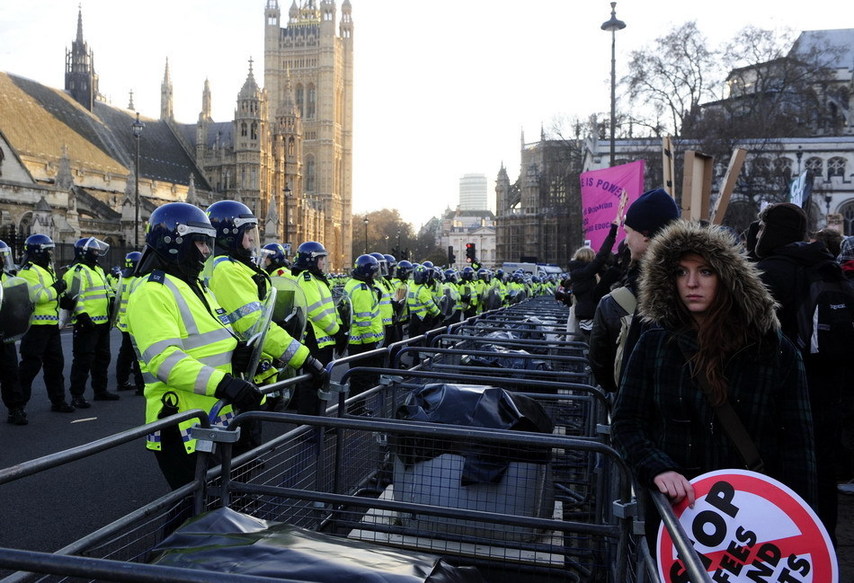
x: 359, y: 472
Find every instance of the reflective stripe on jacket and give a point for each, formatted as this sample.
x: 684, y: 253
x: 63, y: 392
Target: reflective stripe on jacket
x: 92, y: 290
x: 45, y: 298
x: 386, y: 311
x: 420, y: 302
x: 182, y: 347
x: 367, y: 323
x: 235, y: 290
x: 322, y: 315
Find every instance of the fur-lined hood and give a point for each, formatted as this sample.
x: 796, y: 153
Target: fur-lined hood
x: 657, y: 290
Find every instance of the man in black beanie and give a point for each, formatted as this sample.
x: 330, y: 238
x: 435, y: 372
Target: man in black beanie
x: 784, y: 258
x: 610, y: 339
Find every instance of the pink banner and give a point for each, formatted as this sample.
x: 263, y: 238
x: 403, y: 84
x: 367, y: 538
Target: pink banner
x: 600, y: 196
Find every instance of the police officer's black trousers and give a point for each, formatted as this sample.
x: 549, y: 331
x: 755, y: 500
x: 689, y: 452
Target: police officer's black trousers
x: 91, y: 349
x: 10, y: 386
x: 42, y: 346
x: 126, y: 363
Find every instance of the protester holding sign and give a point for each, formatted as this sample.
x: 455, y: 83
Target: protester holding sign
x: 715, y: 341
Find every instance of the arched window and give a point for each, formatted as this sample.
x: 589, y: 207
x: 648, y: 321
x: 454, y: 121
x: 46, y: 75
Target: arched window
x: 835, y: 167
x: 299, y: 96
x: 783, y: 167
x: 291, y: 146
x: 847, y: 212
x: 311, y: 104
x: 815, y: 166
x: 254, y: 134
x: 761, y: 165
x: 243, y: 129
x: 309, y: 174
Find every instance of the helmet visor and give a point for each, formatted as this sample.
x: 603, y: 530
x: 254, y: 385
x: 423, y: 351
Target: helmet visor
x: 96, y: 247
x: 251, y: 243
x: 200, y: 234
x: 6, y: 263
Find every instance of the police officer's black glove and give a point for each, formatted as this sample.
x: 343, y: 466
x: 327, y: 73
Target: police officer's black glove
x: 241, y: 394
x: 342, y: 339
x: 316, y: 369
x: 85, y: 322
x: 65, y: 302
x: 240, y: 358
x: 59, y: 285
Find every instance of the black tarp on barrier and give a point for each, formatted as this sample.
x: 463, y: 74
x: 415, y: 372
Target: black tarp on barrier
x: 505, y: 358
x: 472, y: 406
x: 227, y: 541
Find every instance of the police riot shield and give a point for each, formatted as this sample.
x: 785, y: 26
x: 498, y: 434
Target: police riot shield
x: 16, y: 308
x: 399, y: 304
x: 115, y: 306
x: 66, y: 314
x: 291, y: 309
x: 256, y: 335
x: 493, y: 299
x: 345, y: 311
x: 446, y: 304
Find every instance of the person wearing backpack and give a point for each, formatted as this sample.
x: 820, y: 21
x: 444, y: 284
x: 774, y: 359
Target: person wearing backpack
x: 646, y: 216
x: 794, y: 270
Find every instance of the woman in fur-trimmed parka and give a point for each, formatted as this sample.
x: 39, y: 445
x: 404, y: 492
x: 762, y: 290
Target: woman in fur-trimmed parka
x: 707, y: 301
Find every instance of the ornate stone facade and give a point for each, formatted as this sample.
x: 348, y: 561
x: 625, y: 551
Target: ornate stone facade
x: 68, y: 159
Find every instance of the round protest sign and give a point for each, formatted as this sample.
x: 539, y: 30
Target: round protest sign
x: 747, y: 527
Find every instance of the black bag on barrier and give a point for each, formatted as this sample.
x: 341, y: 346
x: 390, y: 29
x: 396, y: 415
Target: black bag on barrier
x: 227, y: 541
x: 505, y: 358
x: 473, y: 406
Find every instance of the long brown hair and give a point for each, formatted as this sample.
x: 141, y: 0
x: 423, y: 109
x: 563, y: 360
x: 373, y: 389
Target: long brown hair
x: 720, y: 335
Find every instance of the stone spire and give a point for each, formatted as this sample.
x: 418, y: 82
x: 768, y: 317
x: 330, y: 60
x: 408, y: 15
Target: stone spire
x: 166, y: 103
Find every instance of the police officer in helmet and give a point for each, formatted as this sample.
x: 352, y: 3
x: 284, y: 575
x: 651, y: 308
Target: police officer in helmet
x: 88, y: 282
x: 183, y: 336
x: 275, y: 260
x: 126, y: 362
x: 41, y: 346
x: 325, y: 331
x: 10, y: 385
x: 242, y: 287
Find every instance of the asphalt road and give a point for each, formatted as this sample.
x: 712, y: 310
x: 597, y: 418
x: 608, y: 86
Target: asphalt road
x: 49, y: 510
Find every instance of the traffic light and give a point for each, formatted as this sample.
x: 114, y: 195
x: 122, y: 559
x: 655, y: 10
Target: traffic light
x: 451, y: 257
x: 471, y: 253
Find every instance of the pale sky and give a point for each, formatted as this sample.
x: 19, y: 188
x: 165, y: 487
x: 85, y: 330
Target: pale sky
x: 442, y: 89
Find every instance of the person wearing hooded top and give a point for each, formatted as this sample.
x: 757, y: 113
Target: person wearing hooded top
x: 187, y: 347
x: 784, y: 255
x: 709, y: 315
x: 609, y: 339
x: 584, y: 270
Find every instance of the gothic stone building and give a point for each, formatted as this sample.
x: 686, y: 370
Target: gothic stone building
x: 68, y: 159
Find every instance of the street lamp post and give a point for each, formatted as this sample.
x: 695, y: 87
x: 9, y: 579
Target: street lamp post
x: 366, y: 234
x: 287, y: 193
x: 137, y: 131
x: 613, y: 25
